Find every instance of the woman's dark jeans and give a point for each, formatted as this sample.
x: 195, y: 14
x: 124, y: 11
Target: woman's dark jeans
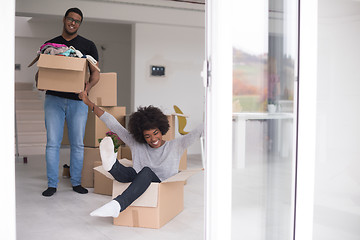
x: 140, y: 182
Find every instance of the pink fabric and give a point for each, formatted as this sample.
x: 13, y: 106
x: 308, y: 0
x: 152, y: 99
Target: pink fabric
x: 56, y: 45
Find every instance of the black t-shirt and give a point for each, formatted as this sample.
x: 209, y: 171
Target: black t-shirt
x: 85, y: 46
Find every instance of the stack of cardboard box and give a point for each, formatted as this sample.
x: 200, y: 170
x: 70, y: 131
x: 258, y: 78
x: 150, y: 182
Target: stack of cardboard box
x: 104, y: 95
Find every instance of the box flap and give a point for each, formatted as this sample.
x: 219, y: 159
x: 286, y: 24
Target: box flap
x: 126, y: 162
x: 182, y: 176
x: 61, y: 62
x: 180, y: 115
x: 148, y: 199
x: 93, y: 64
x: 100, y: 169
x: 34, y: 61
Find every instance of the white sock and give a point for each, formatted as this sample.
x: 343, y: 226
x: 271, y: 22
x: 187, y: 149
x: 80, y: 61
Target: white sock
x: 111, y: 209
x: 108, y: 157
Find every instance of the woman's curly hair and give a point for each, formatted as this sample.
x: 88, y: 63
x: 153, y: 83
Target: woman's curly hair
x: 146, y: 118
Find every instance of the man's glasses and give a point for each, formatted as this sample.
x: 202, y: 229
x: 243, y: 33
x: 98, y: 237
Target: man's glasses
x: 70, y: 19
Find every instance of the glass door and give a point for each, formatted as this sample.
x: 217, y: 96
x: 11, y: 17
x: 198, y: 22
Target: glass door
x: 262, y: 37
x: 264, y: 79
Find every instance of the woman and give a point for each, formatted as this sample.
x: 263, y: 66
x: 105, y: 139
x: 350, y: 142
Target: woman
x: 154, y: 159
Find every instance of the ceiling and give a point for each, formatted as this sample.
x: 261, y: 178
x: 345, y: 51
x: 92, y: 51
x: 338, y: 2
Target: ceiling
x: 177, y: 4
x: 189, y: 1
x: 187, y: 5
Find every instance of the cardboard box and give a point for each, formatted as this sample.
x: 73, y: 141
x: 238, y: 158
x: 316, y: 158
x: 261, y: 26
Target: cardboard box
x: 87, y: 175
x: 183, y: 161
x: 91, y: 155
x: 95, y: 128
x: 126, y: 153
x: 102, y: 184
x: 171, y: 133
x: 104, y: 93
x: 160, y: 203
x: 61, y: 73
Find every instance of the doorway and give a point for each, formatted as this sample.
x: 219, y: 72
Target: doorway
x: 252, y: 53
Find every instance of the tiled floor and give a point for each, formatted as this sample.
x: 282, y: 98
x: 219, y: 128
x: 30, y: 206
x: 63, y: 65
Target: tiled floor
x: 261, y: 206
x: 66, y: 214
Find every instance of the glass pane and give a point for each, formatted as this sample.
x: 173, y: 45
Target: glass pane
x: 264, y: 76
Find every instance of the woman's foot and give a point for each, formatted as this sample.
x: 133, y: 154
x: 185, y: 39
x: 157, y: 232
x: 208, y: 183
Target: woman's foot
x: 108, y: 157
x: 111, y: 209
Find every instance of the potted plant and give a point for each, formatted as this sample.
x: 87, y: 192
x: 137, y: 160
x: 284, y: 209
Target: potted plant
x: 115, y: 138
x: 271, y: 106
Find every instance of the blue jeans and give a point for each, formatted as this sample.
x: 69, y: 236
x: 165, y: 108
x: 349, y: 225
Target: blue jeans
x: 75, y: 112
x: 140, y: 182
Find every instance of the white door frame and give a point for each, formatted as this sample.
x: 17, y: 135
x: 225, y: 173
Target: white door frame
x: 7, y: 177
x: 218, y: 122
x: 306, y: 129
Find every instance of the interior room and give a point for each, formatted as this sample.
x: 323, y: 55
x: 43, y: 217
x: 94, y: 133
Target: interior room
x: 290, y: 135
x: 128, y: 44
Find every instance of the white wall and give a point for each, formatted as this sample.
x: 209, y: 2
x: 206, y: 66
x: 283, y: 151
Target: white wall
x: 337, y: 178
x: 182, y: 51
x: 8, y: 200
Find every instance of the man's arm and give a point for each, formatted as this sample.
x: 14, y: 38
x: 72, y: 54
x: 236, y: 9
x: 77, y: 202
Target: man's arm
x: 98, y: 111
x: 94, y: 77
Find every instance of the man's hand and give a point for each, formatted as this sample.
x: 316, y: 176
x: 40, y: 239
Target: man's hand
x: 87, y: 87
x: 83, y: 96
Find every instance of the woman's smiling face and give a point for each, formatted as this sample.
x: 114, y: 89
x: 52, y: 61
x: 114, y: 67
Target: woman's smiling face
x: 153, y: 137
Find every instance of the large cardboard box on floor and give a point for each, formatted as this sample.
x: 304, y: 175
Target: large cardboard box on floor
x: 126, y: 153
x: 91, y: 155
x: 87, y: 175
x: 160, y: 203
x: 61, y: 73
x: 102, y: 184
x: 104, y: 93
x: 95, y: 128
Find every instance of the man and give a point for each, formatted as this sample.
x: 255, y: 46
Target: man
x: 64, y: 105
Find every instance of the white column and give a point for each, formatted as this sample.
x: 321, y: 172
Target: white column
x: 7, y: 153
x: 218, y: 129
x: 306, y: 120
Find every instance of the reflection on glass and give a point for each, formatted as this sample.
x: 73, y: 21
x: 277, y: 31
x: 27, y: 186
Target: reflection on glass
x: 264, y: 74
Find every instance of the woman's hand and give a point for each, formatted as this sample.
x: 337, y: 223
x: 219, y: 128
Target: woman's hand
x: 84, y: 97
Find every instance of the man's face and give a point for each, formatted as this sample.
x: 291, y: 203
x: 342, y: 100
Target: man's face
x: 72, y: 23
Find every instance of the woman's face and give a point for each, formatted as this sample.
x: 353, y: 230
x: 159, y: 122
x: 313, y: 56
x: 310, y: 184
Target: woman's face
x: 153, y: 137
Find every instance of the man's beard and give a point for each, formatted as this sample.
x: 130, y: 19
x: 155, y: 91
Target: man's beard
x: 69, y: 33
